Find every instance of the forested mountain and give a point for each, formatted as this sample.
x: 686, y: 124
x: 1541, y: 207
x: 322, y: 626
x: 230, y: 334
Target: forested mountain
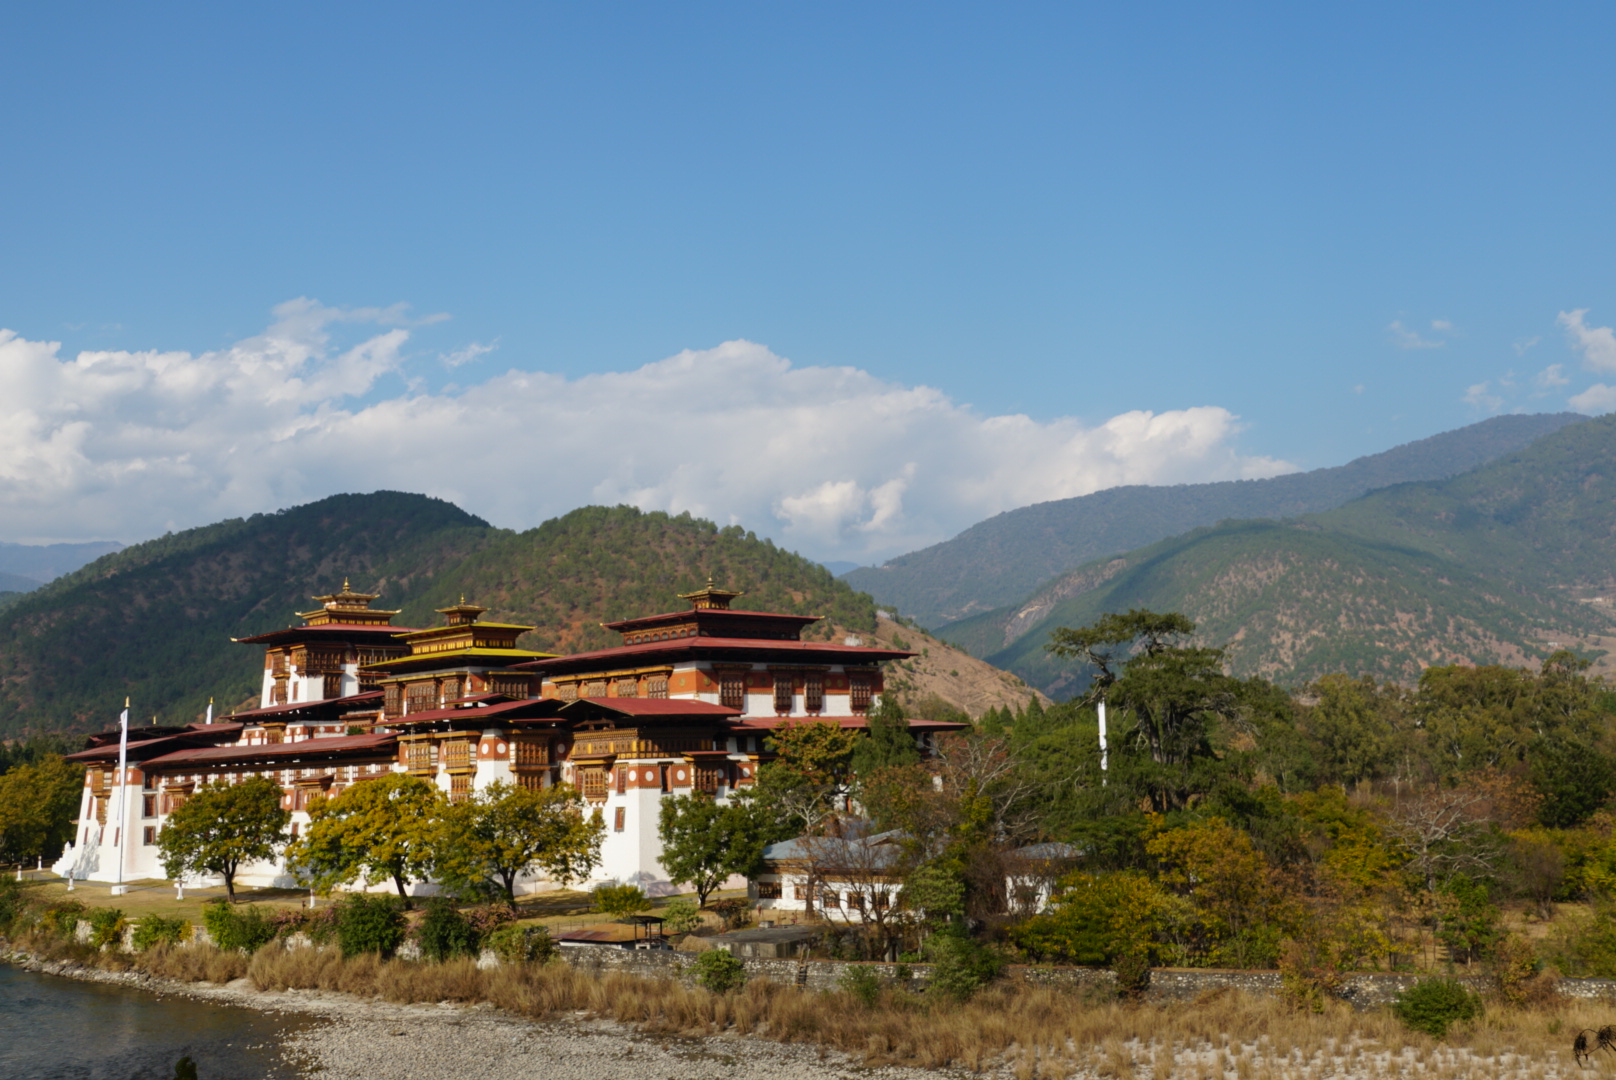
x: 39, y: 563
x: 1498, y: 565
x: 154, y: 621
x: 1003, y: 559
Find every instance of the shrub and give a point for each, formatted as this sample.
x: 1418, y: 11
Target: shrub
x: 681, y: 916
x: 444, y: 932
x: 522, y: 944
x: 861, y: 984
x: 719, y: 971
x: 1132, y: 973
x: 234, y: 929
x: 489, y: 917
x: 106, y: 926
x: 156, y: 930
x: 369, y: 924
x: 288, y: 921
x: 960, y: 965
x: 63, y: 918
x: 321, y: 924
x: 732, y: 911
x: 13, y: 902
x: 619, y: 900
x: 1434, y: 1005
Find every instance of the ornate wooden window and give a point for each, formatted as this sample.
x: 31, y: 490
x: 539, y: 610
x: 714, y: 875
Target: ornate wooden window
x: 148, y: 806
x: 530, y: 781
x: 732, y: 689
x: 782, y: 691
x: 277, y: 693
x: 516, y: 686
x: 617, y: 823
x: 331, y: 685
x: 528, y: 754
x: 799, y: 892
x: 622, y: 781
x: 451, y: 690
x: 568, y: 691
x: 768, y: 890
x: 418, y: 756
x: 457, y: 754
x: 595, y: 688
x: 459, y: 788
x: 393, y: 700
x: 277, y: 664
x: 656, y: 686
x: 813, y: 692
x: 592, y: 782
x: 629, y: 686
x: 707, y: 778
x: 860, y: 690
x: 148, y: 835
x: 420, y: 697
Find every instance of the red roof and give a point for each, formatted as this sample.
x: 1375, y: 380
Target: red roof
x: 773, y: 723
x: 654, y: 707
x: 272, y: 636
x: 549, y: 705
x: 215, y: 755
x: 357, y: 699
x: 109, y: 751
x: 704, y: 614
x: 688, y: 645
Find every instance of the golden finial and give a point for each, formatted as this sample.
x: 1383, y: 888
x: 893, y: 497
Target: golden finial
x: 345, y: 583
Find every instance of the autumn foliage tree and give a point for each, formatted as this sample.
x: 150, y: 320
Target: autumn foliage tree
x: 221, y: 827
x: 503, y: 832
x: 378, y: 830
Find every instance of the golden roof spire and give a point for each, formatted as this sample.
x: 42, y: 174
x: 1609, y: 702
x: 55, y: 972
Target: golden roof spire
x: 711, y: 598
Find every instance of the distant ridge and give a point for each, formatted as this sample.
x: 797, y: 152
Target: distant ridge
x: 39, y: 563
x: 1003, y: 559
x: 1501, y: 564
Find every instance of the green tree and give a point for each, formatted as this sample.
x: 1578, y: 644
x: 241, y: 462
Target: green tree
x: 703, y: 842
x: 503, y: 832
x: 37, y: 804
x: 888, y: 743
x: 222, y: 826
x: 383, y: 830
x: 1170, y: 698
x: 1353, y: 728
x: 811, y: 775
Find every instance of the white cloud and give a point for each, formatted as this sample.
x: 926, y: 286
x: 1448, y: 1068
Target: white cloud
x: 1597, y: 344
x: 830, y: 460
x: 1598, y: 398
x: 1441, y: 326
x: 467, y: 355
x: 1404, y: 338
x: 1524, y: 345
x: 1479, y: 397
x: 1551, y: 376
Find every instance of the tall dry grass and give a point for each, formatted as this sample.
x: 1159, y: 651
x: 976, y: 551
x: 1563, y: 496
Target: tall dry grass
x: 1037, y: 1031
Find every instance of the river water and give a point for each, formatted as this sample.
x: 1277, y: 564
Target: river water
x: 53, y: 1028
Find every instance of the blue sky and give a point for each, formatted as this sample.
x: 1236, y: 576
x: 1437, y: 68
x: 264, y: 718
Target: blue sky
x: 1343, y: 227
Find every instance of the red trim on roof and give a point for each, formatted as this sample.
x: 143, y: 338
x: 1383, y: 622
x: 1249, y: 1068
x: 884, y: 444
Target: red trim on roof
x: 109, y: 750
x: 692, y: 644
x: 774, y: 723
x: 550, y: 705
x: 357, y: 699
x: 328, y: 628
x: 214, y: 755
x: 652, y: 707
x: 712, y: 613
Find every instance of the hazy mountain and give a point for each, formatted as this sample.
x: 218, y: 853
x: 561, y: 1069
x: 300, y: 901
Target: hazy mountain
x: 45, y: 562
x: 1501, y: 564
x: 1003, y: 559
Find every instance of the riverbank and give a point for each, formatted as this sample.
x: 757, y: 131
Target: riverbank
x: 360, y: 1038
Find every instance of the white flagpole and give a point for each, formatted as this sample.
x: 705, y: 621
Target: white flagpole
x: 123, y: 789
x: 1102, y: 742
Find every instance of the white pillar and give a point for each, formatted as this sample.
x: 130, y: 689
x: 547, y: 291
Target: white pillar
x: 1103, y: 754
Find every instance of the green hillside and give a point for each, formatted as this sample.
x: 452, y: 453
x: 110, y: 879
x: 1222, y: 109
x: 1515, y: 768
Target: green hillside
x: 1492, y: 566
x: 154, y: 621
x: 1003, y: 559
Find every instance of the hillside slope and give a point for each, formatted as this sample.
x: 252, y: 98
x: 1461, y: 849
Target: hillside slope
x: 1498, y: 565
x: 1003, y: 559
x: 154, y: 621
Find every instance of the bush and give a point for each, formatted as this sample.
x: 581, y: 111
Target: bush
x: 522, y: 944
x: 234, y: 929
x: 861, y: 984
x: 960, y: 965
x: 1132, y: 973
x: 444, y: 932
x: 156, y: 930
x: 13, y: 903
x: 63, y: 918
x: 681, y: 916
x: 619, y: 900
x: 489, y: 917
x: 732, y: 911
x: 288, y: 921
x: 369, y: 924
x: 106, y: 926
x: 719, y: 971
x: 1434, y: 1005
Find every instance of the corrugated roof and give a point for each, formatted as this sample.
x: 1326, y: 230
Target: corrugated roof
x: 687, y: 645
x: 216, y: 755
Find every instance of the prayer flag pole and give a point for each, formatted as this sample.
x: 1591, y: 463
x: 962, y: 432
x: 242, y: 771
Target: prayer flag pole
x: 123, y: 790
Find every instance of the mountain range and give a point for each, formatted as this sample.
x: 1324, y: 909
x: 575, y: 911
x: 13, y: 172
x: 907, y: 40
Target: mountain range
x: 1501, y: 564
x: 1006, y: 558
x: 154, y: 621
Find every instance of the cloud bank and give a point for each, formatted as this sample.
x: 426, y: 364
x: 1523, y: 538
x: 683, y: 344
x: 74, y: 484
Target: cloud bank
x: 831, y: 461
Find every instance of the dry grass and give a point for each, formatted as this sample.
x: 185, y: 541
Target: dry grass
x: 1034, y: 1031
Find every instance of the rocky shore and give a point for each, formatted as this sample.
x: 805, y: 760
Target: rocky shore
x: 359, y: 1039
